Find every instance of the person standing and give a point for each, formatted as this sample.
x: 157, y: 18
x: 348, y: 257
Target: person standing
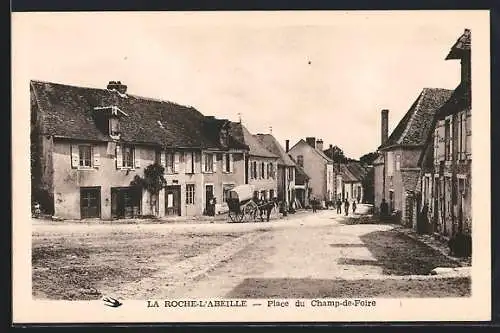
x: 339, y: 206
x: 314, y: 204
x: 346, y: 207
x: 354, y: 206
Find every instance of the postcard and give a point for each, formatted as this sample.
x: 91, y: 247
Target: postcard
x: 279, y: 166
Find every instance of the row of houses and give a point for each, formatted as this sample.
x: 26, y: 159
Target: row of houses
x: 88, y: 145
x: 423, y: 171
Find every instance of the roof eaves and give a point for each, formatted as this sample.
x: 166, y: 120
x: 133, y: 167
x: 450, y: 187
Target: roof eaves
x: 412, y: 116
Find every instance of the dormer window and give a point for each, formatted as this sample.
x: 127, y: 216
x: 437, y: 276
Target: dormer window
x: 114, y: 127
x: 108, y: 119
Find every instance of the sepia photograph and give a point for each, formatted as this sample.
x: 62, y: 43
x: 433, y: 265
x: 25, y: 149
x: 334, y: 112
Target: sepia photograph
x: 190, y: 162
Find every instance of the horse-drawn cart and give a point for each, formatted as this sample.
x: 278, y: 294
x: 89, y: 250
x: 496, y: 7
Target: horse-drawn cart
x: 241, y: 204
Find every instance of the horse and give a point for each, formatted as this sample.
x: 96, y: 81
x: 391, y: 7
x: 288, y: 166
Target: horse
x: 267, y: 206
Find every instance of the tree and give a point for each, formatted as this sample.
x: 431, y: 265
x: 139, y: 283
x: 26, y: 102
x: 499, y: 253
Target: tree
x: 338, y: 154
x: 368, y: 186
x: 153, y: 181
x: 368, y: 158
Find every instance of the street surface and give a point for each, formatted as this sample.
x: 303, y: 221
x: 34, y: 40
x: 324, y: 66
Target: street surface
x: 307, y: 255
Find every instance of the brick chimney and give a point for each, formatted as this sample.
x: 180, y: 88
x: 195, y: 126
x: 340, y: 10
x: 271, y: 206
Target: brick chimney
x: 311, y: 141
x: 385, y: 126
x: 287, y: 145
x: 319, y: 144
x: 118, y: 86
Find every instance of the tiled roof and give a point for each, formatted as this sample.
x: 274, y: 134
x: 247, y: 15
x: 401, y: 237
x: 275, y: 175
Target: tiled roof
x: 68, y: 112
x: 271, y: 144
x: 358, y: 170
x: 256, y: 148
x: 459, y: 101
x: 461, y: 45
x: 353, y: 172
x: 417, y: 122
x: 320, y: 153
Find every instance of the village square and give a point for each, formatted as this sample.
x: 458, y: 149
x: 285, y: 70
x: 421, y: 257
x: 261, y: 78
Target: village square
x: 137, y: 197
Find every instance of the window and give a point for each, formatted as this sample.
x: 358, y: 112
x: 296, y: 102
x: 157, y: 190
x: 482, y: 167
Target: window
x: 158, y: 157
x: 128, y: 157
x: 189, y: 162
x: 447, y: 140
x: 254, y: 170
x: 225, y: 191
x: 208, y: 162
x: 114, y: 126
x: 262, y: 169
x: 227, y: 163
x: 398, y: 162
x: 255, y: 194
x: 300, y: 160
x: 189, y: 194
x: 390, y: 164
x: 85, y: 156
x: 169, y: 163
x: 271, y: 194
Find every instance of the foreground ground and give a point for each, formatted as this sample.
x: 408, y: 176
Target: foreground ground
x: 306, y: 255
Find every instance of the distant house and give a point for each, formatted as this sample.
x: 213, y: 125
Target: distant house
x: 286, y: 168
x: 397, y: 170
x: 261, y: 164
x: 445, y: 180
x: 302, y: 190
x: 350, y: 179
x: 88, y: 144
x: 309, y: 155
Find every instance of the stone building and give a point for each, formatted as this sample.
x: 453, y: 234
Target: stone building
x: 309, y: 155
x: 396, y: 170
x: 88, y: 144
x: 445, y: 180
x: 286, y: 169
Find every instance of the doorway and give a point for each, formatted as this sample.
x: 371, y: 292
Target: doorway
x: 90, y: 202
x: 125, y: 202
x: 209, y: 195
x: 391, y: 201
x: 173, y: 200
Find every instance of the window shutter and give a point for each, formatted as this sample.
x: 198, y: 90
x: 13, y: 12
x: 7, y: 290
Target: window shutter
x: 463, y: 136
x: 202, y: 162
x: 451, y: 137
x: 163, y: 159
x: 231, y: 161
x: 459, y: 137
x: 75, y: 156
x: 177, y: 157
x: 250, y: 167
x: 97, y: 159
x: 214, y: 162
x: 468, y: 142
x: 137, y: 158
x: 440, y: 141
x: 119, y: 158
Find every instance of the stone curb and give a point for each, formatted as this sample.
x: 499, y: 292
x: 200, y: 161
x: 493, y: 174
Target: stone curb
x: 410, y: 233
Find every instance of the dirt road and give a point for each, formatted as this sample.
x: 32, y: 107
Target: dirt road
x: 307, y: 255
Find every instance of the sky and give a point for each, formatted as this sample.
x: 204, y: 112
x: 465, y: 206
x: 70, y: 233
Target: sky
x: 326, y: 75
